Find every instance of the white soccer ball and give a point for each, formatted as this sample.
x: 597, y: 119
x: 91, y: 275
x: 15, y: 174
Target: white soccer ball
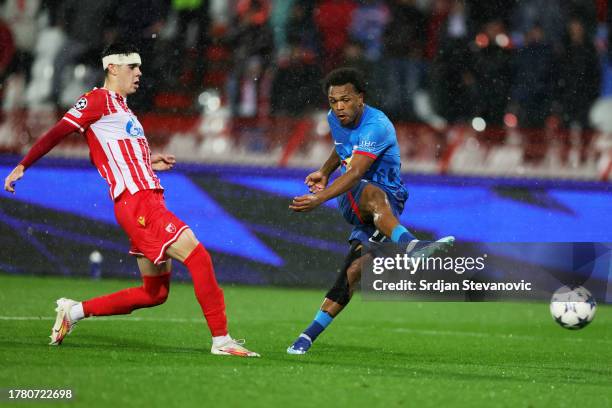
x: 573, y: 307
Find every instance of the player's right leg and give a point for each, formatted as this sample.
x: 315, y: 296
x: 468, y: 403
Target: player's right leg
x: 376, y: 207
x: 335, y: 301
x: 153, y: 292
x: 188, y: 250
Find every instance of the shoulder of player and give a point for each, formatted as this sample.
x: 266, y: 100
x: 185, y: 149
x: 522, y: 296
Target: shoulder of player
x: 377, y: 119
x: 96, y: 96
x: 94, y: 100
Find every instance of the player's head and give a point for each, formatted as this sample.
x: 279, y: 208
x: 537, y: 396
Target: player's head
x: 345, y: 88
x: 121, y: 64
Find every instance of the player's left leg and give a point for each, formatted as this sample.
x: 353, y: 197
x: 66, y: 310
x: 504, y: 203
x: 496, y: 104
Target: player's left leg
x: 188, y: 250
x: 336, y: 299
x: 153, y: 292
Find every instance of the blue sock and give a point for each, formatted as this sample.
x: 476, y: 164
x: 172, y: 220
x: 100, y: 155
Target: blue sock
x: 320, y: 322
x: 401, y: 235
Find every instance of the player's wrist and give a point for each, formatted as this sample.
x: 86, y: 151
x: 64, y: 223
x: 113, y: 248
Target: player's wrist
x: 324, y: 172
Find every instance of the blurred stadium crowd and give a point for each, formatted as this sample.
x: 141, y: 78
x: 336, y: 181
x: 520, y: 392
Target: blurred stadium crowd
x: 482, y: 86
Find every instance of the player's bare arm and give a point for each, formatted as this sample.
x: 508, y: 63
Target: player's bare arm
x: 317, y: 181
x: 358, y: 167
x: 162, y: 162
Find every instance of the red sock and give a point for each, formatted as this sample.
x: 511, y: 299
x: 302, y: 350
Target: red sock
x: 153, y: 292
x: 207, y: 291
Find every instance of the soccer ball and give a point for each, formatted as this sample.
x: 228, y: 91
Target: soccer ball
x: 573, y: 307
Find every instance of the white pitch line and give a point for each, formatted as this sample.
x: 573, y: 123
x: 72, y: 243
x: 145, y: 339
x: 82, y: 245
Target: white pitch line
x: 111, y: 318
x: 423, y: 332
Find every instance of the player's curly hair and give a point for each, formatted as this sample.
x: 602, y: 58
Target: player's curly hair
x: 343, y: 76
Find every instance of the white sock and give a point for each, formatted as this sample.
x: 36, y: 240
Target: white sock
x: 221, y: 340
x: 76, y: 312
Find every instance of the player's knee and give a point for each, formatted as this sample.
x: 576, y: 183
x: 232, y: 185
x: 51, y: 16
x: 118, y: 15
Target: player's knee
x: 373, y: 200
x: 157, y: 289
x: 353, y: 273
x: 162, y: 295
x: 349, y: 276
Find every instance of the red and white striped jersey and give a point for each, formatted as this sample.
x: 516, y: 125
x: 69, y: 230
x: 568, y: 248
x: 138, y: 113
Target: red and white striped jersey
x: 117, y: 143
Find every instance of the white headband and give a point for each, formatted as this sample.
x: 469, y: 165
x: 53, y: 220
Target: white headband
x: 121, y: 59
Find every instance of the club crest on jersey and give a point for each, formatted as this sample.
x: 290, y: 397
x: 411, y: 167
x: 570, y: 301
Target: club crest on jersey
x: 133, y: 129
x: 142, y: 221
x: 347, y: 162
x: 81, y: 104
x: 171, y: 228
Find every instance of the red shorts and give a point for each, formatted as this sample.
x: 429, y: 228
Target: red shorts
x: 151, y: 227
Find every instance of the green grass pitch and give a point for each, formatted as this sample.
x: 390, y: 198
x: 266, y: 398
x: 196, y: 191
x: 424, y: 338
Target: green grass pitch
x: 375, y: 354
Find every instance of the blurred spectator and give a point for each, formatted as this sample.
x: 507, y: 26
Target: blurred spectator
x: 251, y: 40
x: 192, y: 39
x: 579, y: 76
x: 7, y: 51
x: 300, y: 26
x: 585, y: 11
x: 609, y: 21
x: 353, y: 56
x: 53, y: 10
x: 493, y: 71
x: 453, y: 86
x: 279, y: 22
x: 88, y: 25
x: 333, y: 18
x: 457, y: 22
x: 437, y: 20
x: 144, y: 32
x: 21, y: 18
x: 548, y: 14
x: 533, y: 79
x: 403, y: 64
x: 482, y: 12
x: 295, y: 88
x: 368, y: 24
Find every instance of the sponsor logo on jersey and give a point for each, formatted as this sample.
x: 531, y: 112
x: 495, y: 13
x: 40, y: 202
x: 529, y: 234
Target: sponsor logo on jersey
x: 133, y: 128
x: 142, y: 221
x: 367, y: 144
x: 171, y: 228
x: 75, y: 113
x: 81, y: 104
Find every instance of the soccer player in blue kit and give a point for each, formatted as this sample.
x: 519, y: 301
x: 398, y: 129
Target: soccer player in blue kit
x: 370, y: 191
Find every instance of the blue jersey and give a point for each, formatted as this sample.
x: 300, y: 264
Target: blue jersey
x: 374, y: 137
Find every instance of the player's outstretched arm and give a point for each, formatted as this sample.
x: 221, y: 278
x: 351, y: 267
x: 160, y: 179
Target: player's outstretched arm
x: 162, y: 162
x: 358, y: 167
x: 42, y: 146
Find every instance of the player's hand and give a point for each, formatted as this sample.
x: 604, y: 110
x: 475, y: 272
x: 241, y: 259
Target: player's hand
x: 9, y: 181
x: 316, y: 181
x: 161, y: 162
x: 307, y: 202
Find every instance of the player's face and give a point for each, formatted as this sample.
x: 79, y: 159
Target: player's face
x: 129, y: 78
x: 346, y: 103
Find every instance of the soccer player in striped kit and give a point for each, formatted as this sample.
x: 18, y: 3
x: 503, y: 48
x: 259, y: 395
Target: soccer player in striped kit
x: 120, y: 152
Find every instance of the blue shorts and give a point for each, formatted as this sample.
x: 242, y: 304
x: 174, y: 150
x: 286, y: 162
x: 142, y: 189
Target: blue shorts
x: 348, y: 204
